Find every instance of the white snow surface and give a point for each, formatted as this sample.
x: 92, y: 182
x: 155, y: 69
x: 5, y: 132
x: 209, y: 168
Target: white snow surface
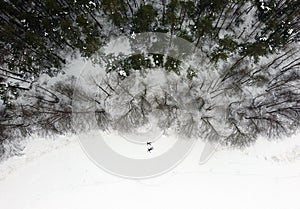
x: 56, y: 174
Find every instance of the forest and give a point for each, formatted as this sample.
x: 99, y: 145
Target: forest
x: 247, y: 85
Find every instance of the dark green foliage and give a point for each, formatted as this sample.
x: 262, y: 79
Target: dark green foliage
x: 142, y: 62
x: 117, y: 11
x: 226, y: 46
x: 281, y: 20
x: 172, y: 65
x: 255, y: 50
x: 171, y: 15
x: 144, y: 19
x: 204, y: 26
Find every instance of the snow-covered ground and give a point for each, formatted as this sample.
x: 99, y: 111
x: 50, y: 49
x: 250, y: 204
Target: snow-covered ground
x: 56, y: 174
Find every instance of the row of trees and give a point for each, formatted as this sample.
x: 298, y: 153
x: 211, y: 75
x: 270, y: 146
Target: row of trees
x: 36, y: 35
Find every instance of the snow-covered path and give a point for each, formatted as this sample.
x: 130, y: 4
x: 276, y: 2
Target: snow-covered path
x: 56, y: 174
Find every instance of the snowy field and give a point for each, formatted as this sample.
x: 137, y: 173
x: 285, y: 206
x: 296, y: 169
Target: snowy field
x: 56, y: 174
